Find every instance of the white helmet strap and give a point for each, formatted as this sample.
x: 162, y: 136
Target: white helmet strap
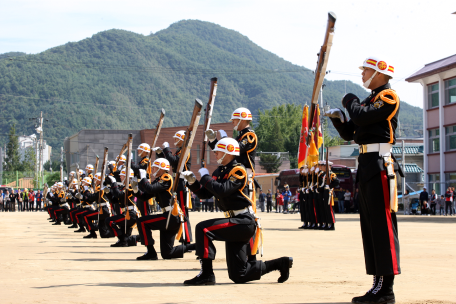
x: 368, y: 82
x: 219, y: 161
x: 237, y: 126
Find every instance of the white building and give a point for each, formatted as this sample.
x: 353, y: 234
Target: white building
x: 29, y: 142
x: 438, y: 80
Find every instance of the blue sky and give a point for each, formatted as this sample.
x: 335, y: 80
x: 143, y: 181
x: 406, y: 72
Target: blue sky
x: 408, y: 34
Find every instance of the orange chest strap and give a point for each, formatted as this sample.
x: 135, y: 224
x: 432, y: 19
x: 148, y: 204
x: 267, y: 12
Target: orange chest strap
x: 243, y: 175
x: 167, y: 177
x: 395, y: 101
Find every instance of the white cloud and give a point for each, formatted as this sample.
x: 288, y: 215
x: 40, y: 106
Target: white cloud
x: 408, y: 33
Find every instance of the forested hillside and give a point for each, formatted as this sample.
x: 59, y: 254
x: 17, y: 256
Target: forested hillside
x: 119, y: 80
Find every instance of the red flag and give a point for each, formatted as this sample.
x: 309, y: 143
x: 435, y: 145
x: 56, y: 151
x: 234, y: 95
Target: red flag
x: 318, y: 136
x: 302, y: 143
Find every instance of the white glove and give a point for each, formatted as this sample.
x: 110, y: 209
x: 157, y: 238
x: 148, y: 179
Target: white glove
x: 165, y: 145
x: 189, y: 177
x: 106, y: 189
x: 203, y: 172
x: 335, y: 113
x: 211, y: 135
x: 158, y: 150
x: 222, y: 134
x: 327, y: 187
x: 142, y: 173
x: 86, y: 188
x: 134, y: 184
x: 317, y: 170
x: 62, y: 200
x: 79, y: 196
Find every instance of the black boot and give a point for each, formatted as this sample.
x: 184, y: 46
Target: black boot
x: 190, y: 247
x: 381, y: 292
x: 81, y: 229
x: 120, y: 243
x: 282, y: 264
x: 364, y: 298
x: 73, y: 226
x: 132, y: 240
x: 151, y: 254
x: 92, y: 235
x: 330, y: 227
x: 206, y: 275
x: 57, y: 223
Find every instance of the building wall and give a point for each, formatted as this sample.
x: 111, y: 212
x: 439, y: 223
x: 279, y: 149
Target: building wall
x: 433, y: 119
x: 266, y: 182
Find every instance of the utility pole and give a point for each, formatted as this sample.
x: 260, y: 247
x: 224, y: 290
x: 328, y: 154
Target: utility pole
x: 41, y: 148
x: 403, y: 168
x: 61, y: 157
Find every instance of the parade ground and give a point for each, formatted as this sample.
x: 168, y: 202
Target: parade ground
x: 41, y: 263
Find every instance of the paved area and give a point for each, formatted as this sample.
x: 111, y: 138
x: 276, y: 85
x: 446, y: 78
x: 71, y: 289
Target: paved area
x: 41, y: 263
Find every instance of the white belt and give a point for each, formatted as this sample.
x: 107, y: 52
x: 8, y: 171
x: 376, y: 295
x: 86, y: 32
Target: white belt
x: 86, y: 206
x: 166, y: 209
x: 102, y: 204
x: 129, y: 208
x: 64, y: 205
x: 231, y: 213
x: 382, y: 149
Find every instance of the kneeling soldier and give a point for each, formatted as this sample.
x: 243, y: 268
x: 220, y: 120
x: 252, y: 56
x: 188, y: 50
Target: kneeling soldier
x: 228, y: 185
x: 160, y: 189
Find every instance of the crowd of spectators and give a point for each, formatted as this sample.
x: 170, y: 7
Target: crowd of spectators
x: 20, y: 200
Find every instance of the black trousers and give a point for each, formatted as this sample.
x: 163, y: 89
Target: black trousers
x: 143, y: 206
x: 90, y: 217
x: 38, y: 205
x: 328, y: 208
x: 147, y: 224
x: 378, y: 223
x: 448, y: 205
x: 433, y: 208
x: 80, y: 216
x: 63, y: 211
x: 269, y: 206
x: 182, y: 197
x: 312, y: 219
x: 236, y: 232
x: 117, y: 225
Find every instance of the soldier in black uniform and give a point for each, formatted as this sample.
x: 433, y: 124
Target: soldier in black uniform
x: 62, y: 210
x: 143, y: 163
x: 86, y: 206
x: 129, y: 211
x: 228, y: 185
x: 372, y: 125
x: 73, y: 190
x: 248, y: 143
x: 182, y: 193
x: 327, y: 191
x: 101, y: 212
x: 160, y: 189
x: 303, y: 197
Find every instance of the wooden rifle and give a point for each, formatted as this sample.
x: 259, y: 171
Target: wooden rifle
x: 207, y: 118
x: 127, y: 177
x: 94, y: 172
x: 102, y: 179
x: 320, y: 72
x: 154, y: 142
x: 185, y: 152
x: 328, y: 178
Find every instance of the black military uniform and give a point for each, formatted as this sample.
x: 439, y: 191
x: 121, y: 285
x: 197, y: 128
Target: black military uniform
x: 102, y: 212
x: 160, y: 189
x: 141, y: 203
x: 303, y: 198
x: 75, y: 207
x: 228, y: 185
x: 63, y: 208
x: 374, y: 121
x: 86, y: 208
x: 181, y: 189
x: 327, y: 201
x: 128, y: 217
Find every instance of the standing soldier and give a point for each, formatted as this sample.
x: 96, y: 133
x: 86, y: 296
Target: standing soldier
x: 303, y: 196
x: 89, y: 171
x: 182, y: 192
x: 327, y: 198
x: 160, y: 189
x: 372, y: 125
x: 228, y: 184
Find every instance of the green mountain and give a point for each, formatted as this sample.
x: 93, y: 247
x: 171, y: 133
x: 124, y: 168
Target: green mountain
x: 120, y: 80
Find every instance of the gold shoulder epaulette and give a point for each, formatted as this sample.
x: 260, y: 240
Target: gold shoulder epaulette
x: 382, y: 95
x: 238, y: 169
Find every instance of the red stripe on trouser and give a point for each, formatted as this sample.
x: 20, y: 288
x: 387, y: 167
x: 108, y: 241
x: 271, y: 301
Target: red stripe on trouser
x: 71, y: 216
x: 144, y: 228
x: 187, y: 236
x: 145, y: 208
x: 85, y: 218
x: 332, y: 212
x: 389, y: 222
x: 77, y: 219
x: 49, y: 211
x: 116, y: 221
x: 315, y: 211
x: 55, y: 212
x: 206, y: 240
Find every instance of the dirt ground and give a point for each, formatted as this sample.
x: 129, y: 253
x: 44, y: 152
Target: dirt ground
x: 41, y: 263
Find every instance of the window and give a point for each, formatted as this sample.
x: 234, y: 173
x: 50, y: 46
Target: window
x: 434, y: 140
x: 434, y: 183
x: 450, y: 91
x: 433, y: 98
x: 198, y: 152
x: 450, y: 138
x: 450, y: 179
